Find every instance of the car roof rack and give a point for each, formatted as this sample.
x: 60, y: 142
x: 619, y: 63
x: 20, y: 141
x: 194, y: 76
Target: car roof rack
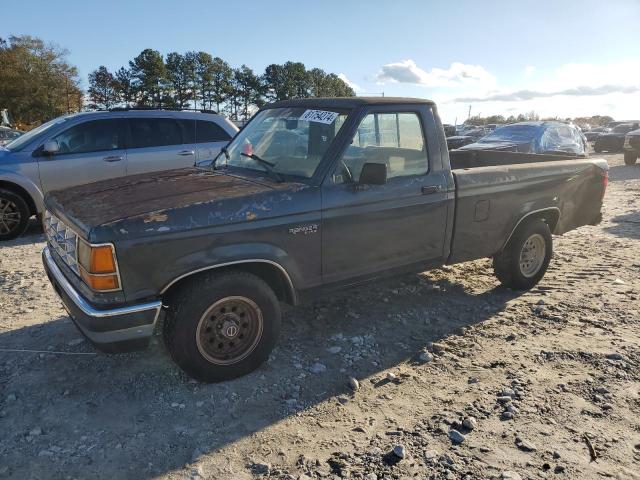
x: 126, y: 109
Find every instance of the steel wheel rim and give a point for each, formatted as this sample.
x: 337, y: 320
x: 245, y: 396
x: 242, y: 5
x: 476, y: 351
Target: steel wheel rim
x: 229, y: 330
x: 9, y: 216
x: 532, y: 255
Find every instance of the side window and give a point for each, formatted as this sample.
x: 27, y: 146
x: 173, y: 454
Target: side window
x: 188, y: 128
x: 207, y: 132
x: 154, y: 132
x: 395, y: 139
x: 92, y: 136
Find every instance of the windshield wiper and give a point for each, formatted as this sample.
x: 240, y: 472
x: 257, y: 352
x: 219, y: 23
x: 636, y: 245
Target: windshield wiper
x: 269, y: 166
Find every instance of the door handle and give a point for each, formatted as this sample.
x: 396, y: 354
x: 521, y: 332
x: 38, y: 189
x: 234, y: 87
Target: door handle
x: 427, y: 190
x: 114, y: 158
x: 184, y: 153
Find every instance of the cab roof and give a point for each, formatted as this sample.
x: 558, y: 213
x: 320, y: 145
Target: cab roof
x: 347, y: 102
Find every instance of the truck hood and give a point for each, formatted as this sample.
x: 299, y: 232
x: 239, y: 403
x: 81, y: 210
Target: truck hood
x: 167, y: 201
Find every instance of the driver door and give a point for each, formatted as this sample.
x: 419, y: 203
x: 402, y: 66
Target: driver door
x: 89, y: 152
x: 371, y: 228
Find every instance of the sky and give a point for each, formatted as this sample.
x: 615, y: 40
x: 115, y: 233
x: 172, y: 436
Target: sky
x: 562, y: 58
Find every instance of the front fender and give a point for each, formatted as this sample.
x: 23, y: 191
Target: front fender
x: 233, y: 255
x: 149, y: 270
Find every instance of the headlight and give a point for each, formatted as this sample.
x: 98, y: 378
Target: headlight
x: 98, y: 266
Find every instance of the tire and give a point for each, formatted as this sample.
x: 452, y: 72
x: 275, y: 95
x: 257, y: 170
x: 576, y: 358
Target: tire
x: 630, y: 158
x: 222, y: 325
x: 597, y: 149
x: 14, y: 215
x: 523, y: 272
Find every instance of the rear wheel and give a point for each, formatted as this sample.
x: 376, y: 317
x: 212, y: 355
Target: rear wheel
x: 14, y: 215
x: 222, y: 325
x: 630, y: 158
x: 526, y: 257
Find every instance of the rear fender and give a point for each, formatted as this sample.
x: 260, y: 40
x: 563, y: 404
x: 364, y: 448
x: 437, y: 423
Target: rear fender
x: 24, y: 186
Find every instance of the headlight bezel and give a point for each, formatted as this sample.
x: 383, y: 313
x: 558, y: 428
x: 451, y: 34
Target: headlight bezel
x: 98, y: 266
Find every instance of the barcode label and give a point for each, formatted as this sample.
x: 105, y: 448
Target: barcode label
x: 320, y: 116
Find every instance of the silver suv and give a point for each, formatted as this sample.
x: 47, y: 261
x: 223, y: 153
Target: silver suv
x: 92, y: 146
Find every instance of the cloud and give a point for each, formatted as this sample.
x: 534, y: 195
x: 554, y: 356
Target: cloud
x: 354, y: 86
x: 406, y: 71
x: 522, y: 95
x: 529, y: 70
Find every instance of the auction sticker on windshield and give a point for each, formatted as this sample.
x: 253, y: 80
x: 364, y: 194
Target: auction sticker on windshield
x: 320, y: 116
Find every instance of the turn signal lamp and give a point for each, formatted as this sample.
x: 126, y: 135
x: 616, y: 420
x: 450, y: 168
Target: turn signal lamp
x: 98, y: 268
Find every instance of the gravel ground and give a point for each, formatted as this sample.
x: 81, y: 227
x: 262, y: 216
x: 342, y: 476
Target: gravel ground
x: 452, y: 377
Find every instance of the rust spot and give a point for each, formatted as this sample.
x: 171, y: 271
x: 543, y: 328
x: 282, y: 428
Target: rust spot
x: 156, y: 217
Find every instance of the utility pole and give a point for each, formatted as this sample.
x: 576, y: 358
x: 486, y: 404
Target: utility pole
x: 469, y: 113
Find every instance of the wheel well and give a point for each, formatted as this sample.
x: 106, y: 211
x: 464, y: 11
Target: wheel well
x: 271, y: 274
x: 17, y: 189
x: 550, y: 216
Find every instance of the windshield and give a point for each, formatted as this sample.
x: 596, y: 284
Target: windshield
x: 513, y: 133
x: 23, y: 140
x: 287, y: 141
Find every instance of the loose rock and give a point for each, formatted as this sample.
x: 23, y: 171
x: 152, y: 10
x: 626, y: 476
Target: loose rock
x: 399, y: 451
x: 354, y: 384
x: 470, y: 423
x: 456, y: 437
x: 318, y: 368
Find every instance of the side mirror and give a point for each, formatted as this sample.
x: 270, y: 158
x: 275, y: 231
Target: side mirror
x: 373, y: 174
x: 51, y: 147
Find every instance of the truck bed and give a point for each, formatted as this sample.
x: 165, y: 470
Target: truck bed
x: 490, y: 200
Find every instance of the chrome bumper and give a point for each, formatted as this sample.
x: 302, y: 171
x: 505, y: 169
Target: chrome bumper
x: 117, y: 329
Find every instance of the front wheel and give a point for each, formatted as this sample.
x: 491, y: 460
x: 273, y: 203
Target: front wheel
x: 630, y: 158
x: 222, y: 325
x: 14, y: 215
x: 524, y: 261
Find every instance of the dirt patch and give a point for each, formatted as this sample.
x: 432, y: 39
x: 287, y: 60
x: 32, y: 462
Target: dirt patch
x: 533, y: 385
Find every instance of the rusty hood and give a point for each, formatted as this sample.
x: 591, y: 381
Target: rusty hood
x: 167, y: 201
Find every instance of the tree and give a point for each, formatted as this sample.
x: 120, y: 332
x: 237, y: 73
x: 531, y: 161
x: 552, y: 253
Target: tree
x: 293, y: 80
x: 149, y: 73
x: 247, y: 89
x: 181, y: 77
x: 274, y: 82
x: 103, y: 87
x: 36, y: 81
x: 204, y: 71
x: 124, y: 86
x: 221, y: 87
x: 338, y: 87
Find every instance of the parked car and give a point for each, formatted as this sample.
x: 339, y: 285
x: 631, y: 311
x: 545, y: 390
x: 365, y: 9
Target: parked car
x: 632, y: 147
x: 449, y: 130
x: 217, y: 251
x: 87, y: 147
x: 8, y: 135
x: 591, y: 135
x: 613, y: 141
x: 469, y: 136
x: 534, y: 137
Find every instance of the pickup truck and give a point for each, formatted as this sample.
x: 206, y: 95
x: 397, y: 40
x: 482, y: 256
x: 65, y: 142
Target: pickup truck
x: 311, y: 195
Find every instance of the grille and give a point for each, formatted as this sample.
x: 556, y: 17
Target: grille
x: 62, y: 240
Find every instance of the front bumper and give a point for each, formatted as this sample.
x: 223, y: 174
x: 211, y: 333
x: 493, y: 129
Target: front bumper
x: 121, y: 329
